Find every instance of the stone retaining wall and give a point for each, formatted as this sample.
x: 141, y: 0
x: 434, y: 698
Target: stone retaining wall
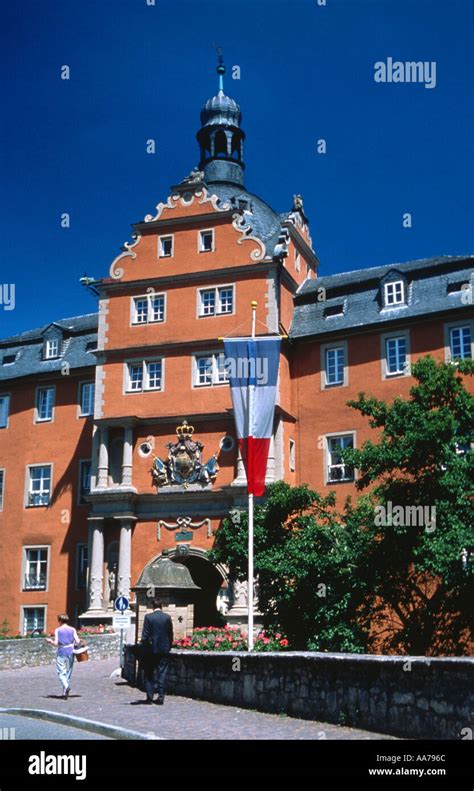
x: 411, y: 697
x: 31, y: 651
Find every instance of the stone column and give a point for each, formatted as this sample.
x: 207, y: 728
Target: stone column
x: 95, y: 456
x: 125, y: 556
x: 241, y: 477
x: 270, y: 473
x: 279, y: 451
x: 127, y: 456
x: 103, y: 478
x: 96, y: 568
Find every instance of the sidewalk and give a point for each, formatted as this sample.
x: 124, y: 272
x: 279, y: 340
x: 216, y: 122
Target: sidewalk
x: 96, y: 696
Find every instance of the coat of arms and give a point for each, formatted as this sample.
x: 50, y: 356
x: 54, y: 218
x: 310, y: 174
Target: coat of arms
x: 184, y: 464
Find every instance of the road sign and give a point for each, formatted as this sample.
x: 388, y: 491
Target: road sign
x: 122, y: 603
x: 121, y: 621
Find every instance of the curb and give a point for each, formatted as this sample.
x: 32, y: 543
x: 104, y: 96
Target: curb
x: 113, y: 731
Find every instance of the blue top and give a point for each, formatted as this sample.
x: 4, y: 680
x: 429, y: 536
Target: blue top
x: 65, y: 640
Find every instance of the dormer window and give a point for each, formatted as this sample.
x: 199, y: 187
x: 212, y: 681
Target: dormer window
x: 394, y: 293
x: 51, y: 348
x: 455, y: 288
x: 333, y: 310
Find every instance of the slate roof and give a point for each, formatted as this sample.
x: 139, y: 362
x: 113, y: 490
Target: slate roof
x: 79, y: 335
x: 263, y: 220
x: 359, y: 294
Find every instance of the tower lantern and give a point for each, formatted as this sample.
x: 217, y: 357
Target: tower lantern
x: 220, y: 137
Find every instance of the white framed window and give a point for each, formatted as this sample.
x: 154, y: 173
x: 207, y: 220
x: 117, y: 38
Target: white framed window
x: 394, y: 293
x: 35, y: 568
x: 85, y: 473
x: 39, y: 485
x: 51, y: 348
x: 140, y: 305
x: 209, y: 369
x: 135, y: 377
x: 334, y: 365
x: 45, y: 397
x: 165, y: 246
x: 2, y: 488
x: 4, y: 410
x: 86, y: 398
x: 395, y: 354
x: 154, y: 375
x: 297, y: 262
x: 148, y: 309
x: 292, y: 455
x: 33, y: 619
x: 460, y: 342
x: 206, y: 240
x: 336, y: 470
x: 216, y: 301
x: 82, y: 565
x: 145, y: 375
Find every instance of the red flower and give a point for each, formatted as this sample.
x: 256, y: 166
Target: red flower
x: 284, y: 642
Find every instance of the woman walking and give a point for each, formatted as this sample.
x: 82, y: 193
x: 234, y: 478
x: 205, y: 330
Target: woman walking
x: 65, y: 637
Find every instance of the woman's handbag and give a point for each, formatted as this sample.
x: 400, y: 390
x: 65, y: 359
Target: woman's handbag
x: 82, y: 653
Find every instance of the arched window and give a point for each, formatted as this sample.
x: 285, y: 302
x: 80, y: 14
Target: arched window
x: 220, y: 144
x: 235, y: 153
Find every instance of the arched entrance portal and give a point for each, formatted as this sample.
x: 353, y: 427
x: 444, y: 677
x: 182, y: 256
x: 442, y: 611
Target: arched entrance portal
x: 211, y: 579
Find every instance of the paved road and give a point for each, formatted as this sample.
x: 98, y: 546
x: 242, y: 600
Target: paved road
x: 96, y: 696
x: 13, y: 726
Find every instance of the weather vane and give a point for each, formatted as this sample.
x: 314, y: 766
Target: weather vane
x: 220, y: 66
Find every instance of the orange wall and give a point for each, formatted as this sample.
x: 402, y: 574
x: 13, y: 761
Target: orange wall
x: 325, y: 411
x: 63, y: 523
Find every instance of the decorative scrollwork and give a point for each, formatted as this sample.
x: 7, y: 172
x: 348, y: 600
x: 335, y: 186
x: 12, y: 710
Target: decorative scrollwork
x: 171, y: 203
x: 238, y: 223
x: 118, y: 272
x: 183, y: 523
x: 212, y: 199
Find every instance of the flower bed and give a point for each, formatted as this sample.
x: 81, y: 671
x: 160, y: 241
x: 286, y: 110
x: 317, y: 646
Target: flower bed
x: 100, y: 629
x: 230, y: 638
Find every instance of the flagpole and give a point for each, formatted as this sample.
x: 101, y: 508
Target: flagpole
x: 250, y: 507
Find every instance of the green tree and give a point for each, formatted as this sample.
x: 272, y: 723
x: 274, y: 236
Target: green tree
x: 422, y: 457
x: 342, y: 580
x: 310, y: 565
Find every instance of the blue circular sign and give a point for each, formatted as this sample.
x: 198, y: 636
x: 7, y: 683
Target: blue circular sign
x: 121, y: 603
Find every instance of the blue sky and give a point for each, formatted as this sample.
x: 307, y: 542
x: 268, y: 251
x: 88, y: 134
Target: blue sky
x: 140, y: 71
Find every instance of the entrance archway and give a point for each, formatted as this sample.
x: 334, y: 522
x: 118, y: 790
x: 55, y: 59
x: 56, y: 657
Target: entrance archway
x: 209, y: 578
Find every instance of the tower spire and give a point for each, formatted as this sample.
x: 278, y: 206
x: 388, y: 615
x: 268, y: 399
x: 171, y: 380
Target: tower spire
x: 220, y: 68
x: 221, y: 136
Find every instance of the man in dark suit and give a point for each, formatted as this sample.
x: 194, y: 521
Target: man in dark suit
x: 157, y: 636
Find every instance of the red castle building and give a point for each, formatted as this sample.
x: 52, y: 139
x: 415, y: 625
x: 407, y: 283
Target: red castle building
x: 87, y: 403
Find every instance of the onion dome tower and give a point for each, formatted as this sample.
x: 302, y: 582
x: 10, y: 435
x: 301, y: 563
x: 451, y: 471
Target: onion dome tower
x: 221, y: 138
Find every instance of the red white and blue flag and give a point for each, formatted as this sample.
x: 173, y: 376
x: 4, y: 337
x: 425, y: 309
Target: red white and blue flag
x: 252, y: 364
